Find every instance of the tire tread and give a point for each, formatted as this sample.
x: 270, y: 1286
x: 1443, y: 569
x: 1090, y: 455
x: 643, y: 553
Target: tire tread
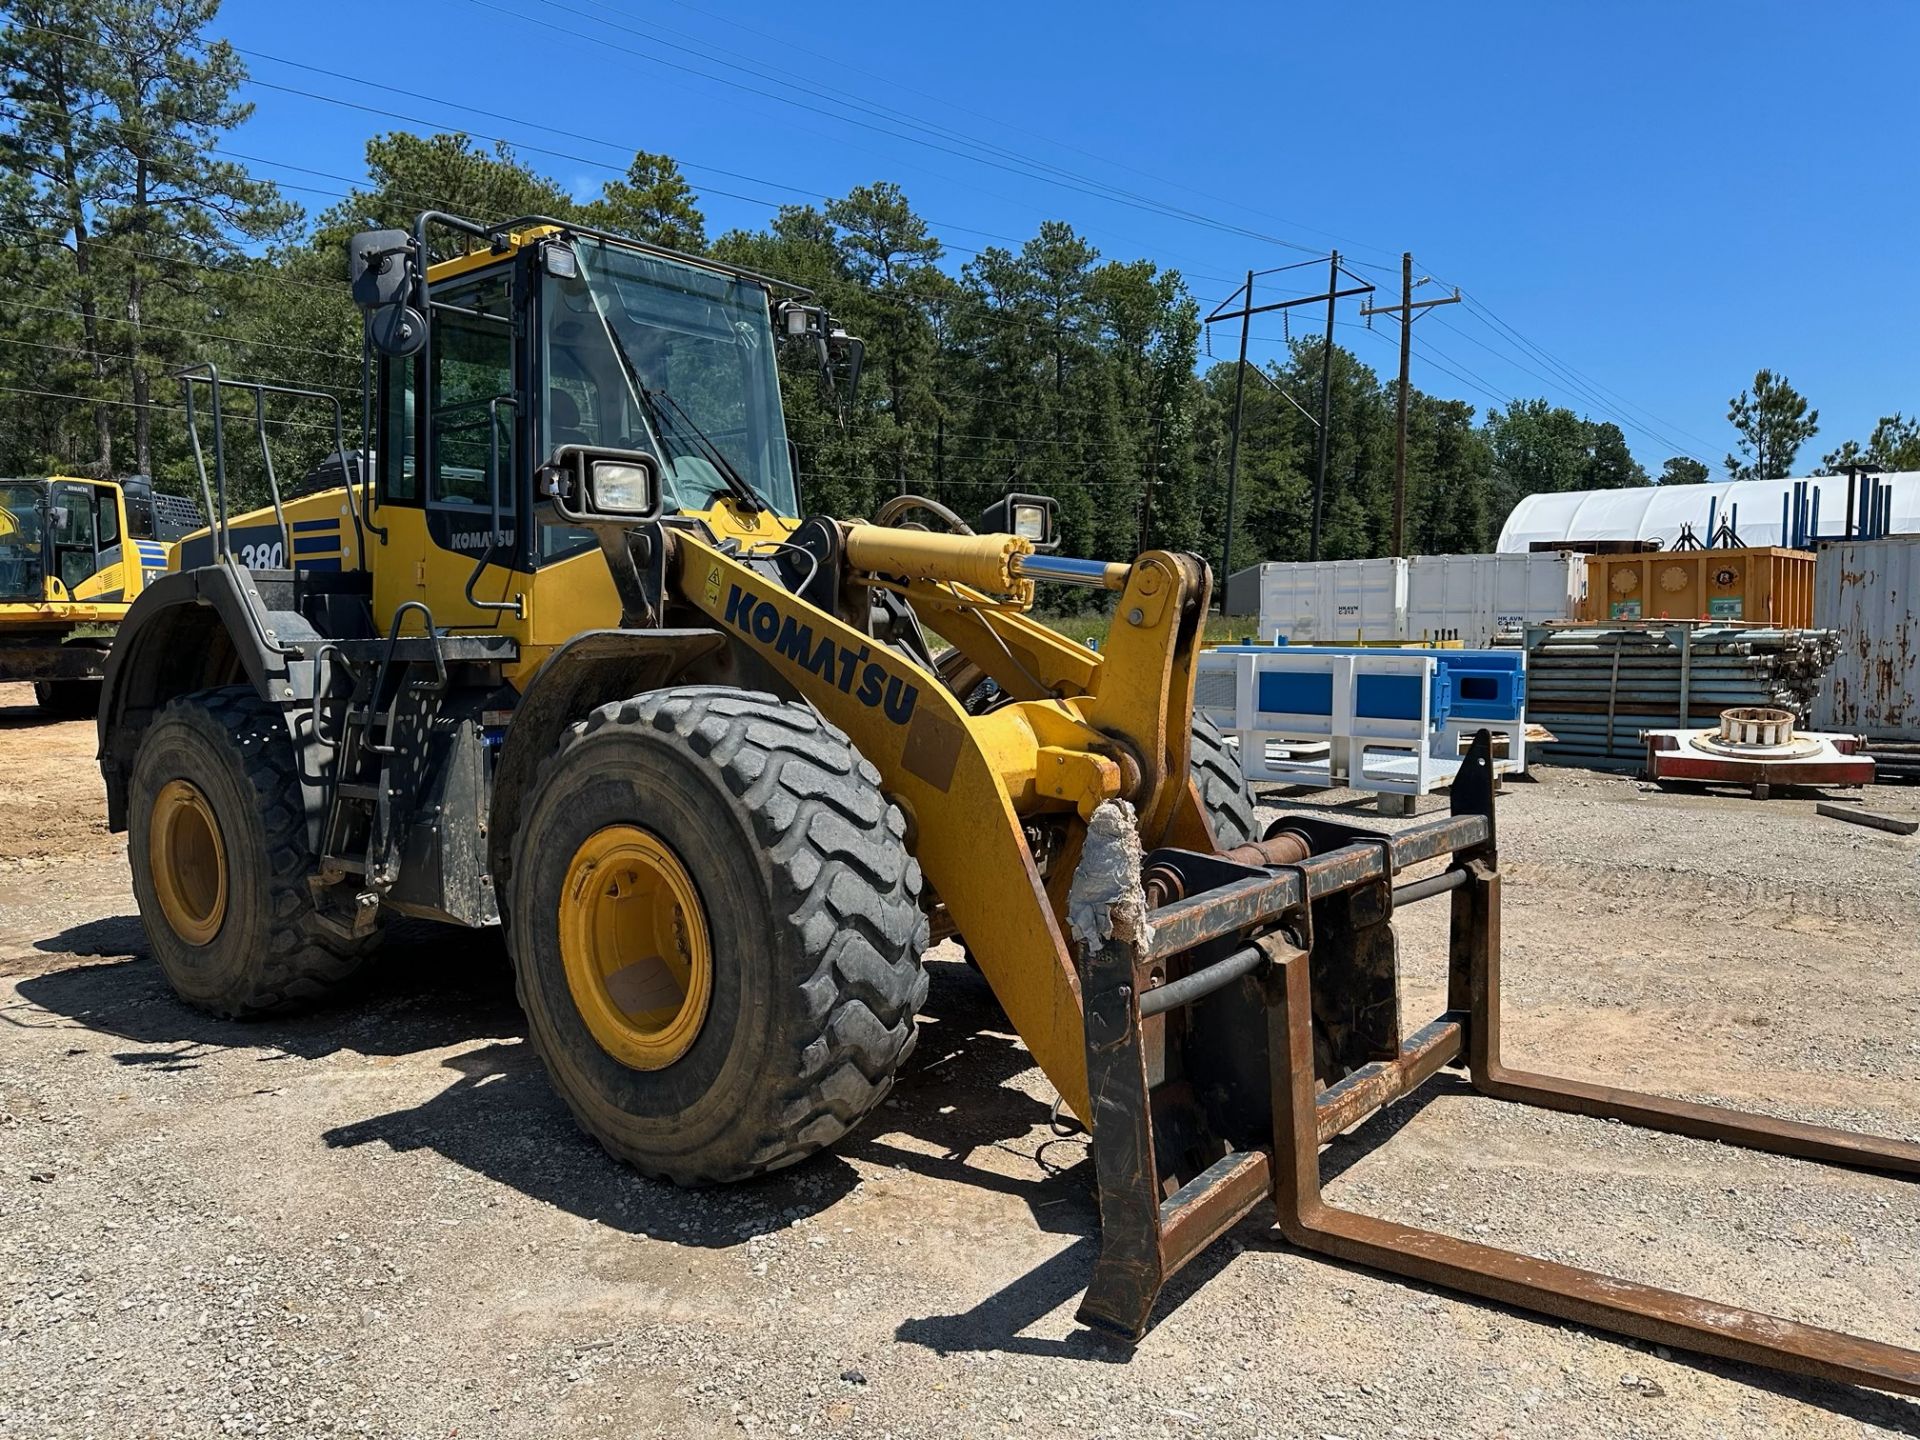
x: 843, y: 880
x: 304, y: 961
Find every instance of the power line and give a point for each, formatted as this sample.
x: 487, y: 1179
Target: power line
x: 1144, y: 204
x: 1485, y: 315
x: 1575, y: 380
x: 197, y: 334
x: 248, y: 419
x: 1064, y: 145
x: 300, y: 381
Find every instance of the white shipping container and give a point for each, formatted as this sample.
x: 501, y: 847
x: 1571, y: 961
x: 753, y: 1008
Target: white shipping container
x: 1869, y: 591
x: 1335, y: 602
x: 1477, y: 598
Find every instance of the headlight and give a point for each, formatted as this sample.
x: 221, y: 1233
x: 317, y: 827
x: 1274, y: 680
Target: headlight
x: 627, y: 489
x: 1030, y: 522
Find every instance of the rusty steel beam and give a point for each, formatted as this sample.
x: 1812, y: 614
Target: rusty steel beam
x: 1703, y: 1122
x: 1372, y: 1087
x: 1475, y: 979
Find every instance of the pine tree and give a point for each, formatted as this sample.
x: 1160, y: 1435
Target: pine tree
x: 1774, y: 422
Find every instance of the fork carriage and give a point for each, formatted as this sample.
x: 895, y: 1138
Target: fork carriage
x: 1254, y: 1016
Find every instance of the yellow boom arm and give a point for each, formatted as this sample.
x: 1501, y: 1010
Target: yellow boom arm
x: 967, y: 783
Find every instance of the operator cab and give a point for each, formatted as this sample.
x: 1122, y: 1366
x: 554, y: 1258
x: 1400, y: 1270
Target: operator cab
x: 62, y: 531
x: 556, y: 337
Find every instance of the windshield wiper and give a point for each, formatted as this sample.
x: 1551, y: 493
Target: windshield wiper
x: 742, y: 489
x: 652, y: 399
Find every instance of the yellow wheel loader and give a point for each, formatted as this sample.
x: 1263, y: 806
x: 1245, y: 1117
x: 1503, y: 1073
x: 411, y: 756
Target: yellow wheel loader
x: 567, y: 654
x: 73, y: 555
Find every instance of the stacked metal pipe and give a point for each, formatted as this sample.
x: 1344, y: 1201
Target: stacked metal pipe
x: 1596, y: 687
x: 1895, y: 759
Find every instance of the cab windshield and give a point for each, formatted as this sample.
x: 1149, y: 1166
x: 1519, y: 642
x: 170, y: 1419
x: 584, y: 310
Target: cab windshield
x: 647, y: 353
x: 22, y: 540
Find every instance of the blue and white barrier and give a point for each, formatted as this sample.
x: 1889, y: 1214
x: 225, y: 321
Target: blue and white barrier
x: 1366, y: 718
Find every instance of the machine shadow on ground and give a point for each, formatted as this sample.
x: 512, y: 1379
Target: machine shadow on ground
x: 433, y: 988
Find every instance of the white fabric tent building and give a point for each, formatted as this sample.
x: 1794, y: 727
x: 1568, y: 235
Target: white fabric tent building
x: 1655, y: 514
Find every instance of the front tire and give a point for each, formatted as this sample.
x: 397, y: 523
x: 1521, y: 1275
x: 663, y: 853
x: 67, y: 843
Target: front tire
x: 1224, y: 793
x: 217, y: 841
x: 716, y: 932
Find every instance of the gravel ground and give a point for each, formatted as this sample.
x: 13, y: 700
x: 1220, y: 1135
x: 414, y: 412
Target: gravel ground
x: 378, y: 1220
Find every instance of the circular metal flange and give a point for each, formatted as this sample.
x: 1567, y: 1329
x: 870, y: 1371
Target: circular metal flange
x: 1756, y: 732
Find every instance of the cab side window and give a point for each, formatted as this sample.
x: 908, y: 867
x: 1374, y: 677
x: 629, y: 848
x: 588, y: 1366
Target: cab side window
x: 73, y: 534
x: 472, y: 364
x: 399, y: 460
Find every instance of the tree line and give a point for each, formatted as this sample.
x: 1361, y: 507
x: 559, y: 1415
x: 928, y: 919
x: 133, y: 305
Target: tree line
x: 134, y: 242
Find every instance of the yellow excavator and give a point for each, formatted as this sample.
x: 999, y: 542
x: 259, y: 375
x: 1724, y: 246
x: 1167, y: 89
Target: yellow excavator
x: 73, y: 555
x: 568, y: 654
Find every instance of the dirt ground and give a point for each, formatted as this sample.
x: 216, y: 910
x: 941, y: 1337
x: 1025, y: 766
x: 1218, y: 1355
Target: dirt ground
x: 377, y: 1220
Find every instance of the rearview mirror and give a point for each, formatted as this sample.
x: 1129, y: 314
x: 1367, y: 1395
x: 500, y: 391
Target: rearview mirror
x: 846, y: 356
x: 588, y: 483
x: 841, y: 356
x: 381, y: 269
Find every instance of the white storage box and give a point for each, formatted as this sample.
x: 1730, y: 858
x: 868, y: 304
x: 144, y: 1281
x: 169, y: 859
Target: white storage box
x: 1477, y: 599
x: 1335, y: 602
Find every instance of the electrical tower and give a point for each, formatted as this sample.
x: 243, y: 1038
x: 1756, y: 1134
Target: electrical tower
x: 1244, y: 314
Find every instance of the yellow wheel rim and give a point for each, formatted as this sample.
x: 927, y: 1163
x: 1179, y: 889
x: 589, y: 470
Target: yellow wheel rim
x: 633, y: 941
x: 188, y: 861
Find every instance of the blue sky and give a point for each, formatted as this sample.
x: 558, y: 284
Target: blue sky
x: 1645, y: 201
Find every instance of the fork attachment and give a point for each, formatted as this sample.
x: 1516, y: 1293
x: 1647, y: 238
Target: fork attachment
x: 1256, y: 1016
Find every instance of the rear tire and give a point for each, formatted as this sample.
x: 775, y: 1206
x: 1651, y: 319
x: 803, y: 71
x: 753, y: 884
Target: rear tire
x: 217, y: 841
x: 808, y: 916
x: 68, y: 699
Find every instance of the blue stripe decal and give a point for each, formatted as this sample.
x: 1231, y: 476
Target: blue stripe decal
x: 317, y: 544
x: 322, y: 524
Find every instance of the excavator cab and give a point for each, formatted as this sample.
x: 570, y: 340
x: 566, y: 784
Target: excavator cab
x: 73, y: 555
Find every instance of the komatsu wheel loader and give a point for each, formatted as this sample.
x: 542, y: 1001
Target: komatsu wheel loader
x: 568, y: 655
x: 73, y: 555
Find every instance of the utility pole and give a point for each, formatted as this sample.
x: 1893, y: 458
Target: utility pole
x: 1233, y: 446
x: 1146, y: 497
x: 1326, y: 410
x: 1245, y: 313
x: 1404, y: 312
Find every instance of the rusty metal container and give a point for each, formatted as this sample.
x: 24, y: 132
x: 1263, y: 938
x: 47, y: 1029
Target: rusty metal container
x: 1763, y: 586
x: 1869, y: 592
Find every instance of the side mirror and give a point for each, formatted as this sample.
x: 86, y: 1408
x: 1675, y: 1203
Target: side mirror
x: 589, y: 483
x: 382, y: 268
x: 846, y: 357
x: 1031, y: 517
x: 841, y: 356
